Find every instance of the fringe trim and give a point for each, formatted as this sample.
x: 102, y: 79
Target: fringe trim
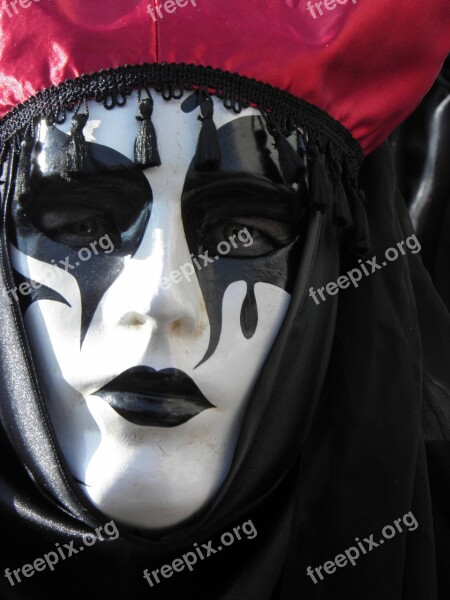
x: 334, y: 156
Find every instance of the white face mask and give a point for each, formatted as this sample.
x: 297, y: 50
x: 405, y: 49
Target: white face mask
x: 151, y: 450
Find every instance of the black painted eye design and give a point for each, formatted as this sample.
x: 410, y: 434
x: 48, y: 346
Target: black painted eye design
x: 116, y: 203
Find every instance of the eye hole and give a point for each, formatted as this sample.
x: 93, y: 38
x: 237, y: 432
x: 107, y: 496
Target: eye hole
x: 88, y: 227
x: 246, y: 237
x: 75, y: 226
x: 235, y: 230
x: 80, y: 233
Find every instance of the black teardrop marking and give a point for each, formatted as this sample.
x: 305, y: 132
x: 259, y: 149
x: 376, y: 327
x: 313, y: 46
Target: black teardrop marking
x: 249, y: 313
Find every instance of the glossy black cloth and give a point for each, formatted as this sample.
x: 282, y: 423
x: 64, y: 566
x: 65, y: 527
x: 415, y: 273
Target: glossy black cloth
x: 422, y: 152
x: 332, y: 447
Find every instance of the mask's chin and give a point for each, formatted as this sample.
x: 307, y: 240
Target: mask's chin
x: 163, y: 478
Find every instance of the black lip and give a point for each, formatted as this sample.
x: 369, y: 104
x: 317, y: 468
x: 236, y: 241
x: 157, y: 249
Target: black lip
x: 143, y: 396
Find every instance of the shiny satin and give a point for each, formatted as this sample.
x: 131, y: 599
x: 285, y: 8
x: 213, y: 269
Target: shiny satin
x: 422, y: 147
x: 341, y: 61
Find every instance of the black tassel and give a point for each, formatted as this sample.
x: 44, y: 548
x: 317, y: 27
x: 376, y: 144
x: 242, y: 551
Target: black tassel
x: 291, y: 165
x: 207, y: 154
x: 321, y: 192
x: 342, y: 216
x: 22, y: 181
x: 76, y: 157
x: 361, y: 242
x: 146, y: 146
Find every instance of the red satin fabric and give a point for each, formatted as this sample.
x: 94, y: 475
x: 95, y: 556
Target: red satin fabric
x: 368, y: 63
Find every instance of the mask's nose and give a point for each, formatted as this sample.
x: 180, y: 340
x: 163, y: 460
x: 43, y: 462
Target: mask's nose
x: 158, y: 285
x: 157, y: 299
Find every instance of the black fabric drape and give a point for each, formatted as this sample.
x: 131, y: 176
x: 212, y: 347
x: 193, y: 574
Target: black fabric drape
x: 334, y: 447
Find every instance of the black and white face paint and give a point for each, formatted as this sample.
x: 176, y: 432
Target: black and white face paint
x: 158, y: 295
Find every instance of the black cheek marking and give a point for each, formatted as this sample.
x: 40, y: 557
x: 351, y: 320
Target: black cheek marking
x: 93, y: 276
x: 40, y: 293
x: 277, y: 269
x: 249, y: 313
x: 93, y: 286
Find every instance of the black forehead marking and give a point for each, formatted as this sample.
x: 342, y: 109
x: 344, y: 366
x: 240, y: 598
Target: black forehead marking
x: 246, y: 147
x: 245, y: 144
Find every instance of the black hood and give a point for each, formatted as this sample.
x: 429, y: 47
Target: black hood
x: 331, y: 448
